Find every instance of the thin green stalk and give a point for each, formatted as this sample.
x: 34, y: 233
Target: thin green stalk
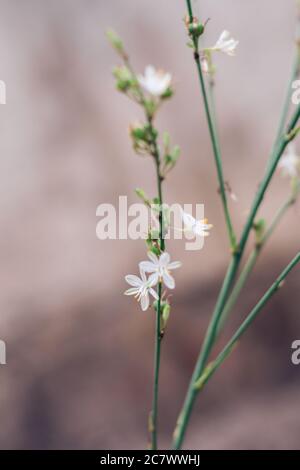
x: 217, y: 155
x: 153, y: 425
x: 280, y: 148
x: 251, y: 261
x: 212, y: 367
x: 277, y: 219
x: 214, y: 139
x: 190, y: 11
x: 289, y: 92
x: 211, y: 89
x: 232, y: 299
x: 160, y: 196
x: 154, y: 413
x: 153, y: 150
x: 153, y: 418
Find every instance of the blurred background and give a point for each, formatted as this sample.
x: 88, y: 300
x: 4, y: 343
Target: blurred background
x: 79, y: 353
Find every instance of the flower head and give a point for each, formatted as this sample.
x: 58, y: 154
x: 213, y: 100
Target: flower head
x: 197, y: 227
x: 226, y: 44
x: 290, y: 162
x: 141, y: 289
x: 156, y: 82
x: 160, y: 268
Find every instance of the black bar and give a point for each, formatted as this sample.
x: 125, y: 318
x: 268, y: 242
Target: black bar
x: 134, y: 459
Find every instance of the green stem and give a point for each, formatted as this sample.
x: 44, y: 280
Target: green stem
x: 190, y: 11
x: 214, y: 139
x: 154, y: 412
x: 153, y: 418
x: 289, y: 92
x: 158, y: 337
x: 280, y: 148
x: 232, y: 299
x: 248, y: 268
x: 217, y: 155
x: 211, y: 368
x: 281, y: 212
x: 211, y: 87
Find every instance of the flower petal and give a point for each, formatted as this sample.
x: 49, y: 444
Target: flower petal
x: 187, y: 219
x: 152, y: 256
x: 145, y: 302
x: 143, y: 275
x: 131, y: 291
x: 153, y: 279
x: 174, y: 265
x: 147, y: 266
x: 168, y: 280
x: 165, y: 82
x: 149, y: 71
x: 224, y: 35
x: 164, y: 259
x: 142, y: 81
x: 133, y: 280
x: 226, y: 44
x: 153, y: 293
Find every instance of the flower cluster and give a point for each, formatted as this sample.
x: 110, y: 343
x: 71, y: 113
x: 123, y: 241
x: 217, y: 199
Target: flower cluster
x: 225, y: 44
x: 158, y: 269
x: 160, y: 265
x: 148, y: 89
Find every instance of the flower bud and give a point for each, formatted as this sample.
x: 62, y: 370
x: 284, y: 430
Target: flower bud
x: 196, y: 29
x: 124, y: 79
x: 142, y: 195
x: 259, y: 228
x: 166, y: 309
x: 170, y: 159
x: 115, y: 40
x: 138, y: 133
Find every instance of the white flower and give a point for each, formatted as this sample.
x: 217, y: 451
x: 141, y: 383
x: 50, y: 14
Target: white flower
x: 197, y: 227
x: 141, y: 288
x: 156, y: 82
x: 160, y: 268
x: 226, y: 44
x: 290, y: 162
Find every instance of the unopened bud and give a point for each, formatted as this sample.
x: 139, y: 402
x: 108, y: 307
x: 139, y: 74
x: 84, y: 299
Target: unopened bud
x: 165, y: 314
x: 138, y: 133
x: 196, y: 29
x: 114, y: 40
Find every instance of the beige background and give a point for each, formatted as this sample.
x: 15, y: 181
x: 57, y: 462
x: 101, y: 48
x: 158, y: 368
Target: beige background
x: 80, y: 354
